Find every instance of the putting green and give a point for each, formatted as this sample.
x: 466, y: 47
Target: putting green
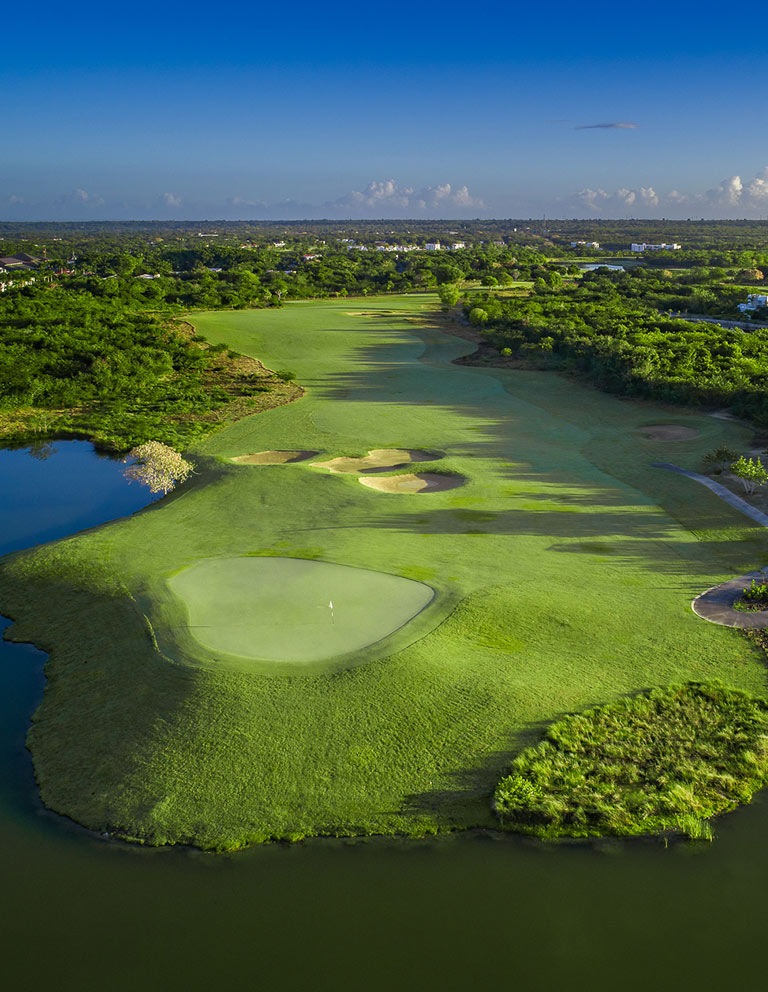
x: 289, y: 609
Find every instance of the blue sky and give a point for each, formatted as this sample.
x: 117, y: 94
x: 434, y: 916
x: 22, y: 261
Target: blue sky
x: 191, y: 111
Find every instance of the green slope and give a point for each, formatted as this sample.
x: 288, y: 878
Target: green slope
x: 563, y: 572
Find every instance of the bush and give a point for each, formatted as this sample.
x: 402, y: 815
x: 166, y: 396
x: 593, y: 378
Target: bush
x: 667, y: 760
x: 754, y: 598
x: 157, y: 466
x: 720, y: 458
x: 478, y: 316
x: 756, y: 591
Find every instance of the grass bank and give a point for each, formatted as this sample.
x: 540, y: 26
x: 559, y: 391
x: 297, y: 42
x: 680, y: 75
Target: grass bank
x: 563, y: 571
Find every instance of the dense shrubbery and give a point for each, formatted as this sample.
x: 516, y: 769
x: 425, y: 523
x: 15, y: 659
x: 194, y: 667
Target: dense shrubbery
x: 753, y: 599
x: 614, y: 332
x: 664, y: 761
x: 71, y: 363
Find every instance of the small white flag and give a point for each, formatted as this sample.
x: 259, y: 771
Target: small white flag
x: 331, y: 604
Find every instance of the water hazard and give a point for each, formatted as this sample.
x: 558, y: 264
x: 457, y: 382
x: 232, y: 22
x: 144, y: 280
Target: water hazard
x: 82, y: 913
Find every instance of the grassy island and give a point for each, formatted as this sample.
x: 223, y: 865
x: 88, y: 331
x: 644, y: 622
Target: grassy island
x: 556, y: 577
x: 666, y: 760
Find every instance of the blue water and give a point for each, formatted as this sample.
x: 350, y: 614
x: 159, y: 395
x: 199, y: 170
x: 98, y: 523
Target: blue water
x: 465, y: 912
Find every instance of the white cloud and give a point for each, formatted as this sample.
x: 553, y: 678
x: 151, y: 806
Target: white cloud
x: 171, y: 200
x: 757, y: 189
x: 733, y: 197
x: 81, y: 198
x: 387, y: 198
x: 611, y: 126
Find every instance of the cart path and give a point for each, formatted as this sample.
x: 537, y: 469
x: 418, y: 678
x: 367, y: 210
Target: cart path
x: 731, y: 498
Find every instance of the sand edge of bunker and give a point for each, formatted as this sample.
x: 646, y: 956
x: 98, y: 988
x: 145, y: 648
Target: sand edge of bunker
x: 414, y: 483
x: 273, y: 457
x: 668, y: 432
x: 379, y: 460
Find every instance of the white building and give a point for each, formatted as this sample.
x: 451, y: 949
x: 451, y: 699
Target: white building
x: 432, y: 246
x: 754, y: 302
x: 457, y: 245
x: 663, y: 247
x: 586, y: 244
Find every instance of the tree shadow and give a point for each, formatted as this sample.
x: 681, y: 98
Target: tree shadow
x: 568, y: 468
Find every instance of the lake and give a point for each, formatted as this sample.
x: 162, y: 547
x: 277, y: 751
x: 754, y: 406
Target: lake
x: 467, y: 911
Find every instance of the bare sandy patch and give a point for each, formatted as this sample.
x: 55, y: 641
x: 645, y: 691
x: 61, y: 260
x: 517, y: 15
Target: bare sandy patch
x: 379, y: 460
x: 273, y: 457
x: 668, y: 432
x: 422, y: 482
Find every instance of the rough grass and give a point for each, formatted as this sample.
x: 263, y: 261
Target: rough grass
x: 667, y: 760
x: 564, y: 571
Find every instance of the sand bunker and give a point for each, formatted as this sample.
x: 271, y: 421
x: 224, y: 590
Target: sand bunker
x: 273, y: 457
x: 379, y: 460
x: 668, y: 432
x: 424, y: 482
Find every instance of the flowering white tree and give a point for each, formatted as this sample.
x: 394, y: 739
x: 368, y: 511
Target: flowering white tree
x: 752, y: 473
x: 157, y: 466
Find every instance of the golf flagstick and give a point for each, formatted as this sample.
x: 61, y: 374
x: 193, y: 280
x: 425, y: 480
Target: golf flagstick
x: 330, y: 606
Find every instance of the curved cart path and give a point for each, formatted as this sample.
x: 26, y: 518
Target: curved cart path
x: 716, y: 604
x: 735, y: 501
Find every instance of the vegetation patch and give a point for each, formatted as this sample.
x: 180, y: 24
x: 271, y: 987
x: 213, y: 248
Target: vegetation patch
x: 72, y: 365
x: 753, y: 599
x: 667, y: 760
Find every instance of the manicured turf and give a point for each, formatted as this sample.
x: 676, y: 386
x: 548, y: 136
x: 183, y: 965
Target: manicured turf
x: 563, y: 570
x: 289, y: 609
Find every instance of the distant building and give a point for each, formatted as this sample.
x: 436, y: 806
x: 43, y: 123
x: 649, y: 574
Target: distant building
x: 663, y: 247
x: 755, y: 301
x: 585, y: 244
x: 20, y: 261
x: 457, y: 245
x: 432, y: 246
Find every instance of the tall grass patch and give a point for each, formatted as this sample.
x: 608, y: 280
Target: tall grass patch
x: 667, y: 760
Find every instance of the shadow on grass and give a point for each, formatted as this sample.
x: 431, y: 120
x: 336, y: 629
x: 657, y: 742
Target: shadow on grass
x: 543, y: 444
x: 476, y: 784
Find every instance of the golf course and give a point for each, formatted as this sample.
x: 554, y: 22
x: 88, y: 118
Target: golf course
x: 366, y: 603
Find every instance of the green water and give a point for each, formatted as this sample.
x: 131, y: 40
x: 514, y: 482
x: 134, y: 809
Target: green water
x: 81, y: 913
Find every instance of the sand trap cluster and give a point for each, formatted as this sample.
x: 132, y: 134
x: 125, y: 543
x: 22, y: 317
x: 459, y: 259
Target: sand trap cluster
x: 668, y: 432
x: 379, y: 460
x: 423, y: 482
x: 273, y: 457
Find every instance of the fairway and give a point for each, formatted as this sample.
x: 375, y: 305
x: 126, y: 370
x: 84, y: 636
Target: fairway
x: 285, y: 609
x: 193, y: 696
